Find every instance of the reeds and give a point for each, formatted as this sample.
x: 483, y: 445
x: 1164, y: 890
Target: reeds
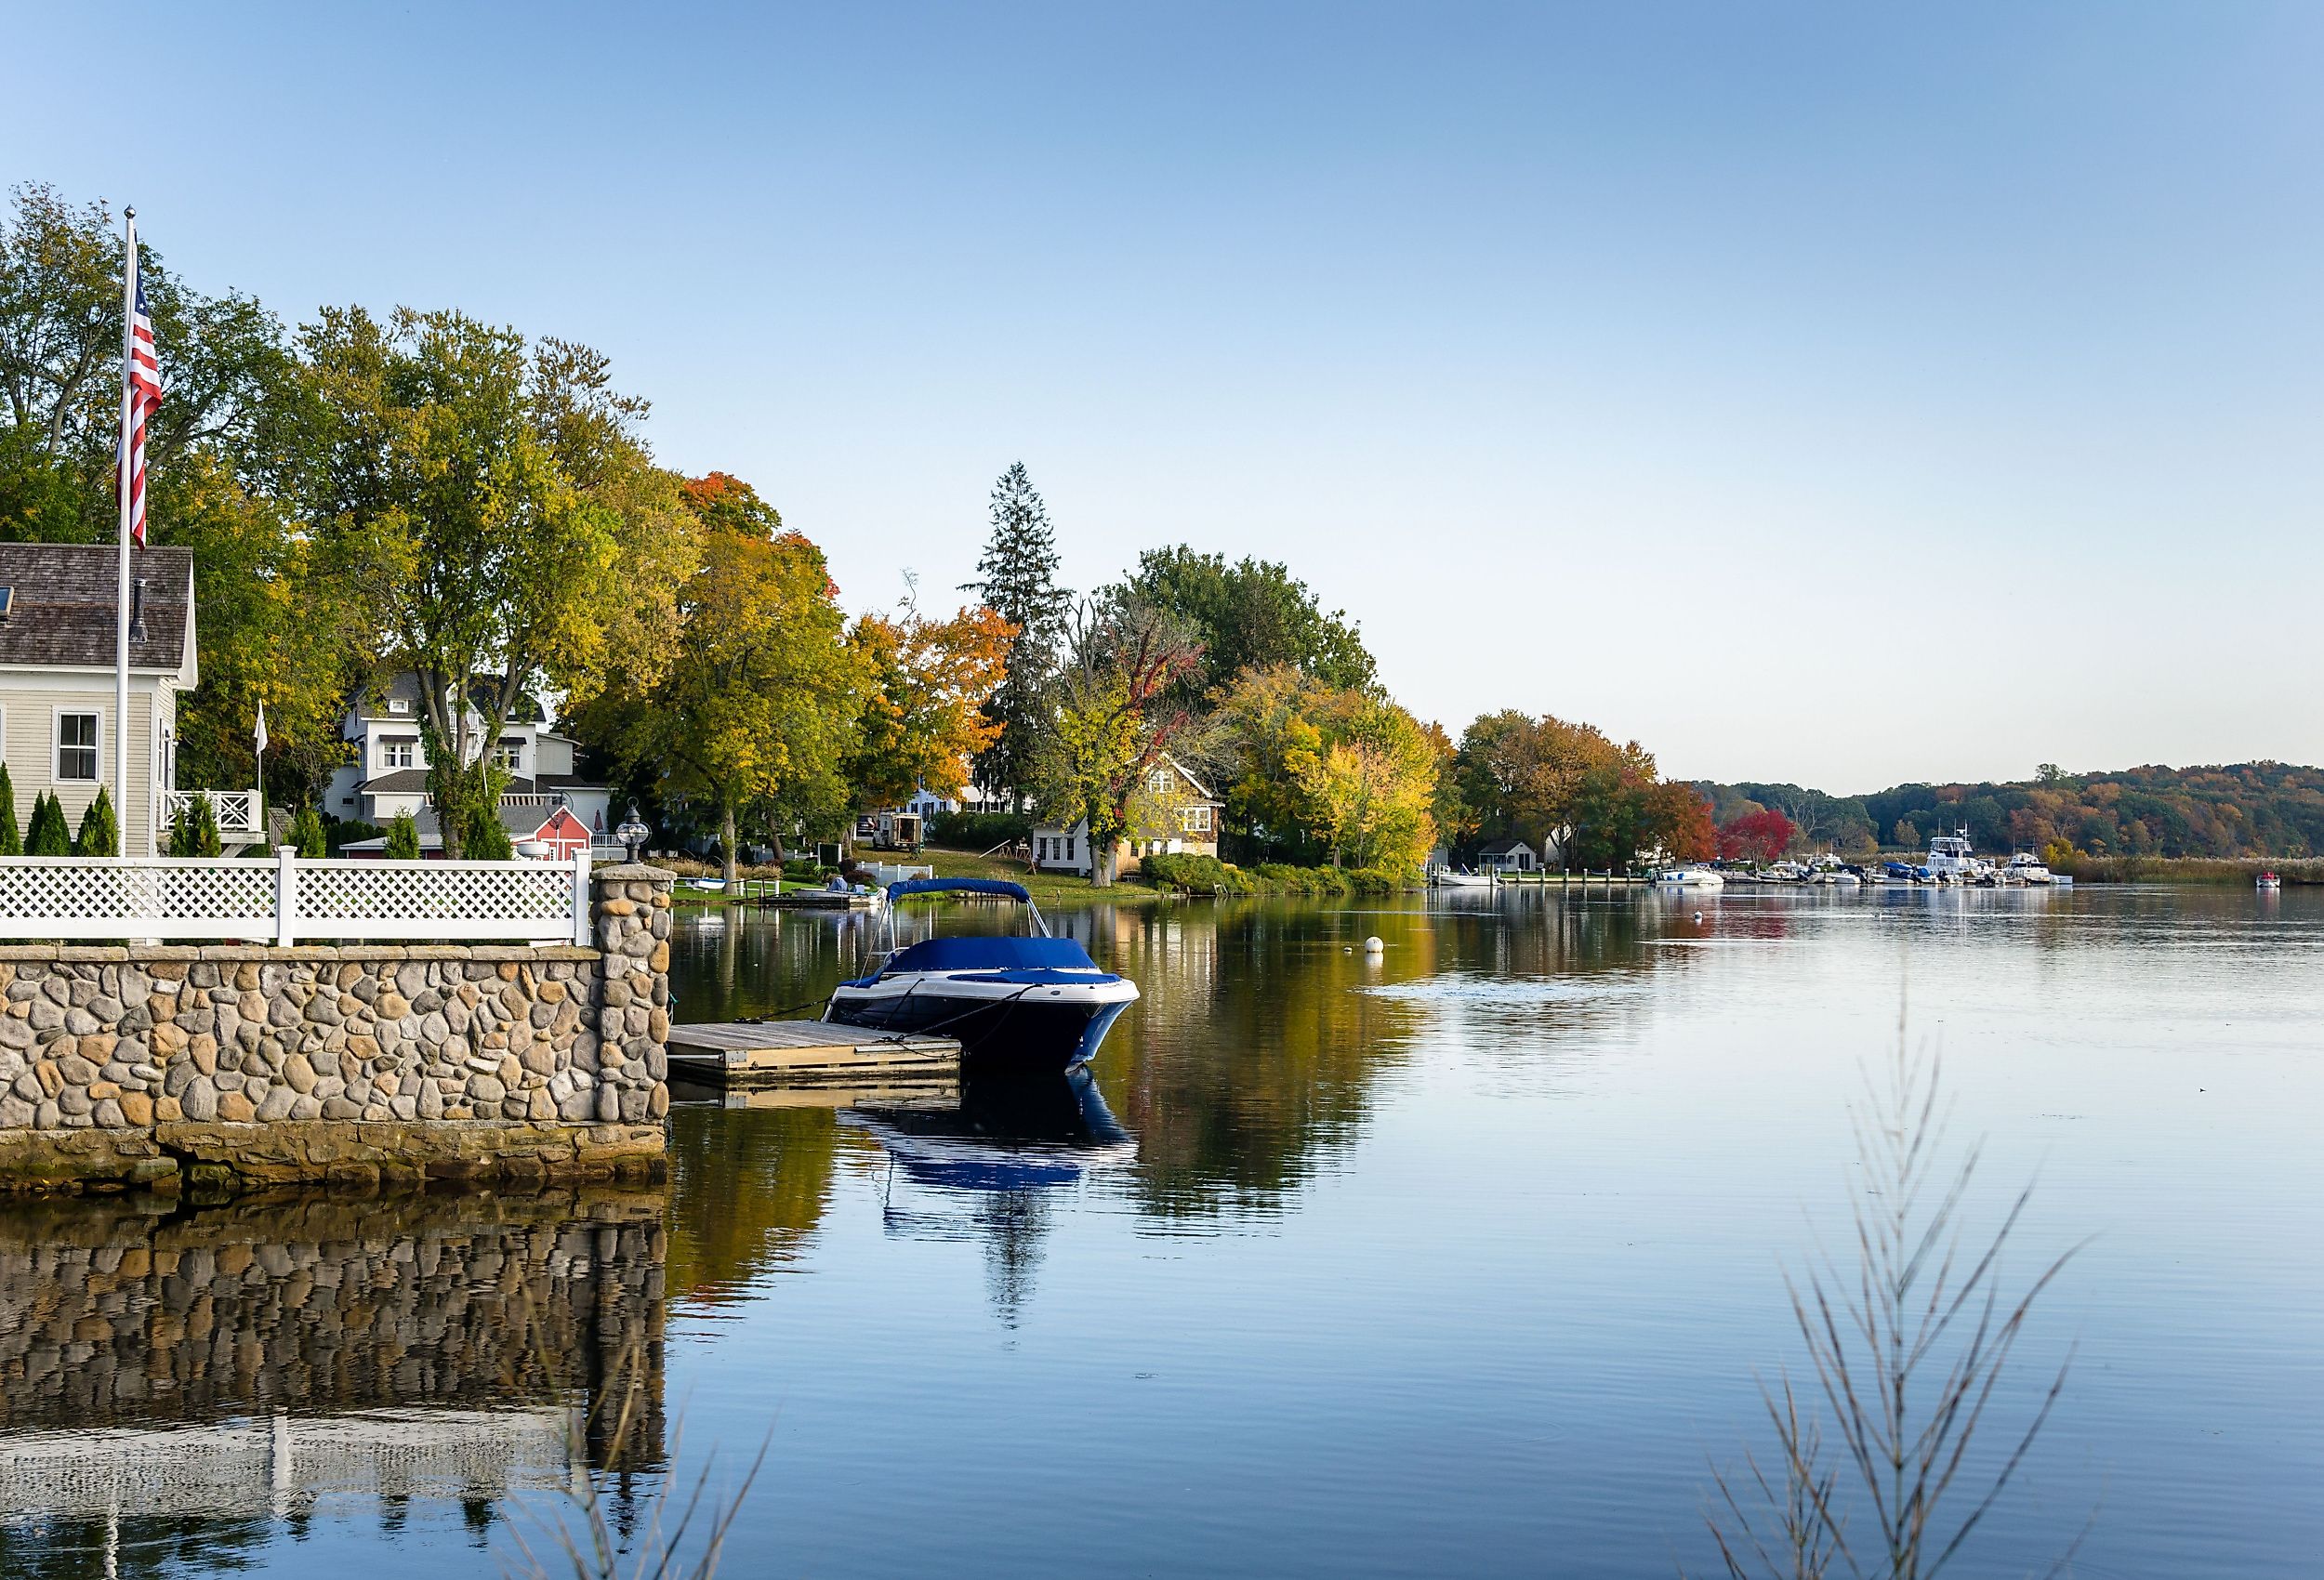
x: 613, y: 1547
x: 1909, y: 1347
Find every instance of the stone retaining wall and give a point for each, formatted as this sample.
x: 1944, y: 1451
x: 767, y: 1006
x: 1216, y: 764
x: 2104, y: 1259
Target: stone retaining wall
x: 241, y: 1063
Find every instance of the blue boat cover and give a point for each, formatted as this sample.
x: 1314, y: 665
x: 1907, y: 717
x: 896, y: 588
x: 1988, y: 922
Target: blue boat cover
x: 959, y: 885
x: 977, y: 952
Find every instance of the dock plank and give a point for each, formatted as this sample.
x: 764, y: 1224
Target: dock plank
x: 805, y: 1054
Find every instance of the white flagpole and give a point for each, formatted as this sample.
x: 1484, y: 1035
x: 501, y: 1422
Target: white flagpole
x: 120, y: 678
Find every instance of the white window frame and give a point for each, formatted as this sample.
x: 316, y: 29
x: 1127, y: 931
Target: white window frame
x: 401, y: 706
x: 1194, y: 819
x: 56, y: 748
x: 390, y: 744
x: 1161, y: 781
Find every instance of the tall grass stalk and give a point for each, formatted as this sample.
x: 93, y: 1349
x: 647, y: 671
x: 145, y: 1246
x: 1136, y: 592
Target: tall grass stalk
x: 653, y: 1551
x: 1908, y: 1348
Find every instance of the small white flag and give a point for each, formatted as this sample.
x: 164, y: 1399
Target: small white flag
x: 261, y: 733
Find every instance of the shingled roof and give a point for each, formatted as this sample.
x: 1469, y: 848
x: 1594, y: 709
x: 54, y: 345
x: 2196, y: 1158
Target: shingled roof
x: 62, y: 605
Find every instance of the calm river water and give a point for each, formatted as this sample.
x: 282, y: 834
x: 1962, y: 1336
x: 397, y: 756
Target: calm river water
x: 1462, y: 1261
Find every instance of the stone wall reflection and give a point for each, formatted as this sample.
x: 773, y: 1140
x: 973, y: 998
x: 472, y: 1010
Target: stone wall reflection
x: 117, y: 1313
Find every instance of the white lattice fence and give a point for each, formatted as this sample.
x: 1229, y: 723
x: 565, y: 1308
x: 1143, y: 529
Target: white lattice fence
x: 283, y: 900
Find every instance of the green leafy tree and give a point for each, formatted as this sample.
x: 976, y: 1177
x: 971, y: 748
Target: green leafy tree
x: 1251, y: 614
x: 403, y: 843
x: 12, y: 835
x: 1017, y: 580
x: 48, y: 836
x: 308, y: 833
x: 759, y: 705
x: 1113, y: 720
x: 100, y: 831
x: 505, y: 517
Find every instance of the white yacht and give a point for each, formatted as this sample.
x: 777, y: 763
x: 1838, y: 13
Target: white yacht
x: 1952, y: 860
x: 2027, y: 867
x: 1689, y: 877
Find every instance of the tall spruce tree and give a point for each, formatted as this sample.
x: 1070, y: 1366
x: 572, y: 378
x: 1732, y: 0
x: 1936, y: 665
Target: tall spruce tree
x: 1017, y: 578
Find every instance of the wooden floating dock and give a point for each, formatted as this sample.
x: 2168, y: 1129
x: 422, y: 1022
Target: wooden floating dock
x: 811, y: 1056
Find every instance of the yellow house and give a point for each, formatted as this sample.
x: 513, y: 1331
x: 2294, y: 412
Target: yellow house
x: 58, y: 633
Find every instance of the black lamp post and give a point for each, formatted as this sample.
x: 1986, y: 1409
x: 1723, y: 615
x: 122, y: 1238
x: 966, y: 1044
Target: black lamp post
x: 632, y: 832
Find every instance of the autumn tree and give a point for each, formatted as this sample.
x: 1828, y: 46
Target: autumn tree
x: 1758, y: 836
x: 1113, y: 717
x: 1524, y: 777
x: 1016, y: 577
x: 759, y: 704
x: 1316, y: 772
x: 924, y: 719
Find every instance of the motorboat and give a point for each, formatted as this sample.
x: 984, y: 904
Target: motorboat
x: 2269, y: 880
x: 1689, y: 877
x: 2027, y: 867
x: 1784, y: 872
x: 1024, y: 1002
x: 1447, y: 877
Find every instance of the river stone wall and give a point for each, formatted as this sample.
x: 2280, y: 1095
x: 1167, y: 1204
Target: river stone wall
x: 247, y: 1064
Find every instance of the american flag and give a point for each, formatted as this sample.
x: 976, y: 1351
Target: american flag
x: 143, y: 399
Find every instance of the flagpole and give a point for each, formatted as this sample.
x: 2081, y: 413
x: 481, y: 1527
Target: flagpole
x: 121, y: 649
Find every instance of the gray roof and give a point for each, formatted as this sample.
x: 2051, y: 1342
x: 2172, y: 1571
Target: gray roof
x: 63, y: 604
x: 404, y: 683
x: 1501, y: 847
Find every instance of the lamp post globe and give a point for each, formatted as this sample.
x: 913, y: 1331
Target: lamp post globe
x: 633, y: 831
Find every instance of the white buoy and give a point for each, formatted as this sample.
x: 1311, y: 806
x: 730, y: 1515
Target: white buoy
x: 1373, y: 946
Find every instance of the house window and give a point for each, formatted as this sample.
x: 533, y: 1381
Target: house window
x: 396, y: 751
x: 507, y: 756
x: 76, y: 746
x: 399, y: 705
x: 1159, y: 781
x: 1194, y: 819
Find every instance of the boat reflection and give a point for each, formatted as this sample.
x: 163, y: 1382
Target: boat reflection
x: 1005, y: 1136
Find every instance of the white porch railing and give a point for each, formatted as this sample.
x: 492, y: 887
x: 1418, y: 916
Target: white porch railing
x: 236, y: 811
x: 284, y: 899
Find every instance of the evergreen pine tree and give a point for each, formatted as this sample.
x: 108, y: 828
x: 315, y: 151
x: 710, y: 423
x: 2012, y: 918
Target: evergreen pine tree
x: 11, y: 835
x: 403, y: 839
x: 1017, y: 578
x: 307, y: 832
x: 48, y: 836
x: 100, y: 831
x: 195, y: 831
x: 487, y: 839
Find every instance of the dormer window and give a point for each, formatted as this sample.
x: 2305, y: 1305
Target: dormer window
x: 399, y: 705
x: 1159, y: 781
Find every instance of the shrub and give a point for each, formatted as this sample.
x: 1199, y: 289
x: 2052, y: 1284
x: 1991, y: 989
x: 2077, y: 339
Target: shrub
x: 351, y: 831
x: 403, y: 839
x: 1374, y: 883
x: 48, y: 836
x: 194, y: 830
x: 12, y: 836
x: 977, y: 831
x: 1196, y: 875
x: 487, y: 838
x: 306, y: 832
x: 100, y: 831
x: 1322, y: 882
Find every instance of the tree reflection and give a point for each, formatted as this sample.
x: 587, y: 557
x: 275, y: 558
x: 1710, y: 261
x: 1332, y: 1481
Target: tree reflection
x: 748, y: 1188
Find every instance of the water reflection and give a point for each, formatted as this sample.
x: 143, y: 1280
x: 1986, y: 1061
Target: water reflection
x: 178, y: 1379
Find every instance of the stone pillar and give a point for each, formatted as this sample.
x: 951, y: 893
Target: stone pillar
x: 632, y: 1055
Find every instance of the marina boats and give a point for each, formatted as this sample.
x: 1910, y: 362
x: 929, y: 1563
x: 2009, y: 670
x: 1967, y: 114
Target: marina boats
x: 1689, y: 877
x: 1024, y: 1003
x: 1952, y: 860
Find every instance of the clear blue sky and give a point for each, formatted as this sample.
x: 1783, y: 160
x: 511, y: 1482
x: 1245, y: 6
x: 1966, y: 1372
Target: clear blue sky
x: 1840, y: 394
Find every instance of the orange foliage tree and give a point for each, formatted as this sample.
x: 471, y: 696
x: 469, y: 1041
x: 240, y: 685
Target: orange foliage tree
x: 924, y: 720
